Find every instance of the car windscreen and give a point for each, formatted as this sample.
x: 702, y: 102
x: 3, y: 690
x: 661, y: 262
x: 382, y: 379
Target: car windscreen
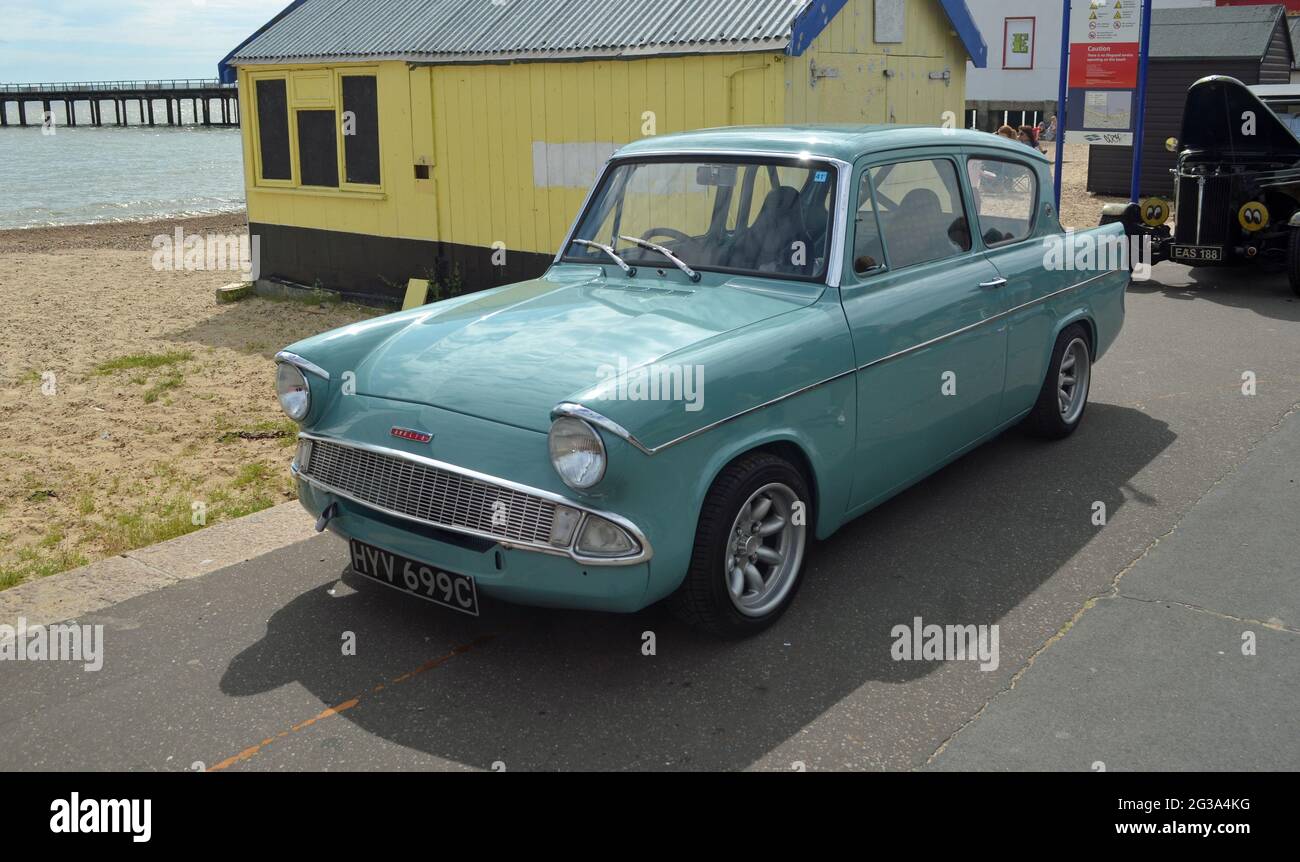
x: 755, y: 217
x: 1288, y: 111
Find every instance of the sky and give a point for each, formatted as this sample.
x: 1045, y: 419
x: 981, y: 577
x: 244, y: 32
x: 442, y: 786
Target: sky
x: 112, y: 40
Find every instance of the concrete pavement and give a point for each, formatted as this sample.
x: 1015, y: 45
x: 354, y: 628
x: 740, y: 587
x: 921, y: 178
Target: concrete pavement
x: 1191, y: 661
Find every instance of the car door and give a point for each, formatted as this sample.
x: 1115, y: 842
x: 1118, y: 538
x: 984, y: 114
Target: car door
x: 923, y: 305
x: 1010, y: 222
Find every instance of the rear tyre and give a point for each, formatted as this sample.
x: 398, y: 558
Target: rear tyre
x: 747, y: 562
x: 1293, y: 260
x: 1064, y: 396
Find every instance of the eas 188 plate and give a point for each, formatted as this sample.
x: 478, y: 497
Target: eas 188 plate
x: 1208, y: 253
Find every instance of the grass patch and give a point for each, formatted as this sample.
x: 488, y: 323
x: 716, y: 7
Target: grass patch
x: 247, y: 507
x: 147, y: 525
x: 251, y: 474
x: 167, y: 384
x: 32, y: 564
x: 252, y: 490
x: 143, y: 360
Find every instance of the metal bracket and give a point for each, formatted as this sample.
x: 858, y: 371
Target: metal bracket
x: 815, y: 72
x: 325, y: 517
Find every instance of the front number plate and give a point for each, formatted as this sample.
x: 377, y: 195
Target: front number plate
x: 1198, y: 252
x: 419, y: 579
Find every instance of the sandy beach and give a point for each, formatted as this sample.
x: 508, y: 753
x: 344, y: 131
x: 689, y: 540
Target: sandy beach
x: 132, y: 404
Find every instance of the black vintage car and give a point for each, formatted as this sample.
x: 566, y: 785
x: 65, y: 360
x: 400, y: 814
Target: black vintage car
x: 1237, y: 183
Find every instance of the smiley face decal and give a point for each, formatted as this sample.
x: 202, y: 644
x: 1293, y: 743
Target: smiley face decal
x: 1155, y: 211
x: 1253, y: 216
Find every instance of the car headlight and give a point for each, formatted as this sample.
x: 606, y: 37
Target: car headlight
x: 294, y: 392
x: 602, y: 538
x: 577, y: 452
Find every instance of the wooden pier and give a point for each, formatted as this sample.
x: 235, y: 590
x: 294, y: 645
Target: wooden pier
x: 210, y: 103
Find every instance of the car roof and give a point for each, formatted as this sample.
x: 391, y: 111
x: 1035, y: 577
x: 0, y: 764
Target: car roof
x: 846, y: 143
x: 1276, y: 91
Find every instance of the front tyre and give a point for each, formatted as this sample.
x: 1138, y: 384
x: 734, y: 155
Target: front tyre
x: 747, y: 561
x: 1064, y: 396
x: 1293, y: 260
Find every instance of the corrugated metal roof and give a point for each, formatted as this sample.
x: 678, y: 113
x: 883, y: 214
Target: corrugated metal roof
x: 469, y: 30
x: 1213, y: 32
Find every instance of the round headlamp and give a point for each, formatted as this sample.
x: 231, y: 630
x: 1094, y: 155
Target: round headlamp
x: 293, y: 390
x: 577, y: 452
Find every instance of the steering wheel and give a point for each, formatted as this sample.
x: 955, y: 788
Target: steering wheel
x: 667, y: 232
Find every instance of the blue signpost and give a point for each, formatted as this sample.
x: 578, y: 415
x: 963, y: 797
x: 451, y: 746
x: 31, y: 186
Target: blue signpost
x: 1135, y: 191
x: 1060, y: 101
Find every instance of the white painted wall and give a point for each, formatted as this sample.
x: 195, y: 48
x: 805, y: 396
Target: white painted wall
x: 1021, y: 85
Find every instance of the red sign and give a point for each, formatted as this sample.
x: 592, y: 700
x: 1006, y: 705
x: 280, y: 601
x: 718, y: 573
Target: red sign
x: 1105, y: 65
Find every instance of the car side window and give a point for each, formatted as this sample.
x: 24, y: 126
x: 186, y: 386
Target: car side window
x: 920, y: 209
x: 868, y: 249
x: 1005, y: 198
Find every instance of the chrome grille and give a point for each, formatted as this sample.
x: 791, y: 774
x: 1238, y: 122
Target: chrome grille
x: 1203, y: 222
x: 430, y: 494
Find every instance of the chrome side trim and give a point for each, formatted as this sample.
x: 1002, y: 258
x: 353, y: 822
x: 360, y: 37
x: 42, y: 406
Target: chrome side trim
x: 999, y: 316
x: 835, y: 265
x: 302, y: 364
x: 646, y: 551
x: 571, y: 409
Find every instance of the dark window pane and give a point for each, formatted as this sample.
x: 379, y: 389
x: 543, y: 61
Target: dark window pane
x: 273, y: 130
x: 361, y: 147
x: 318, y: 154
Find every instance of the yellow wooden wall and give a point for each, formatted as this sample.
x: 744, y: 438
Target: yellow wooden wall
x: 476, y: 125
x: 862, y: 93
x: 487, y: 118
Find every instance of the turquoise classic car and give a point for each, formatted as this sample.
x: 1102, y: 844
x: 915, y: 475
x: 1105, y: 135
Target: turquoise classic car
x: 750, y: 337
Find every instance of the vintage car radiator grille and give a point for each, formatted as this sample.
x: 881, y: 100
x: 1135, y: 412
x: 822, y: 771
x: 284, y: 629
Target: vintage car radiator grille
x: 1215, y: 211
x: 429, y: 494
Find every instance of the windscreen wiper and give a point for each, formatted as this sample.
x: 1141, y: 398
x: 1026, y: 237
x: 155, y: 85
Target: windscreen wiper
x: 628, y: 269
x: 654, y: 246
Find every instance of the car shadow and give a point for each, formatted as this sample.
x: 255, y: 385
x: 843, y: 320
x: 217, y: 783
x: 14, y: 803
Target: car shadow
x: 545, y: 689
x: 263, y: 326
x: 1263, y: 290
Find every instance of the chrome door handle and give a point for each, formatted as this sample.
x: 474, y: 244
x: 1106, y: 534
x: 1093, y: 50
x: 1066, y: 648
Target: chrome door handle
x: 995, y: 283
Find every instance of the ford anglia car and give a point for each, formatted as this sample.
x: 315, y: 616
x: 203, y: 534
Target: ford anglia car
x: 750, y: 337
